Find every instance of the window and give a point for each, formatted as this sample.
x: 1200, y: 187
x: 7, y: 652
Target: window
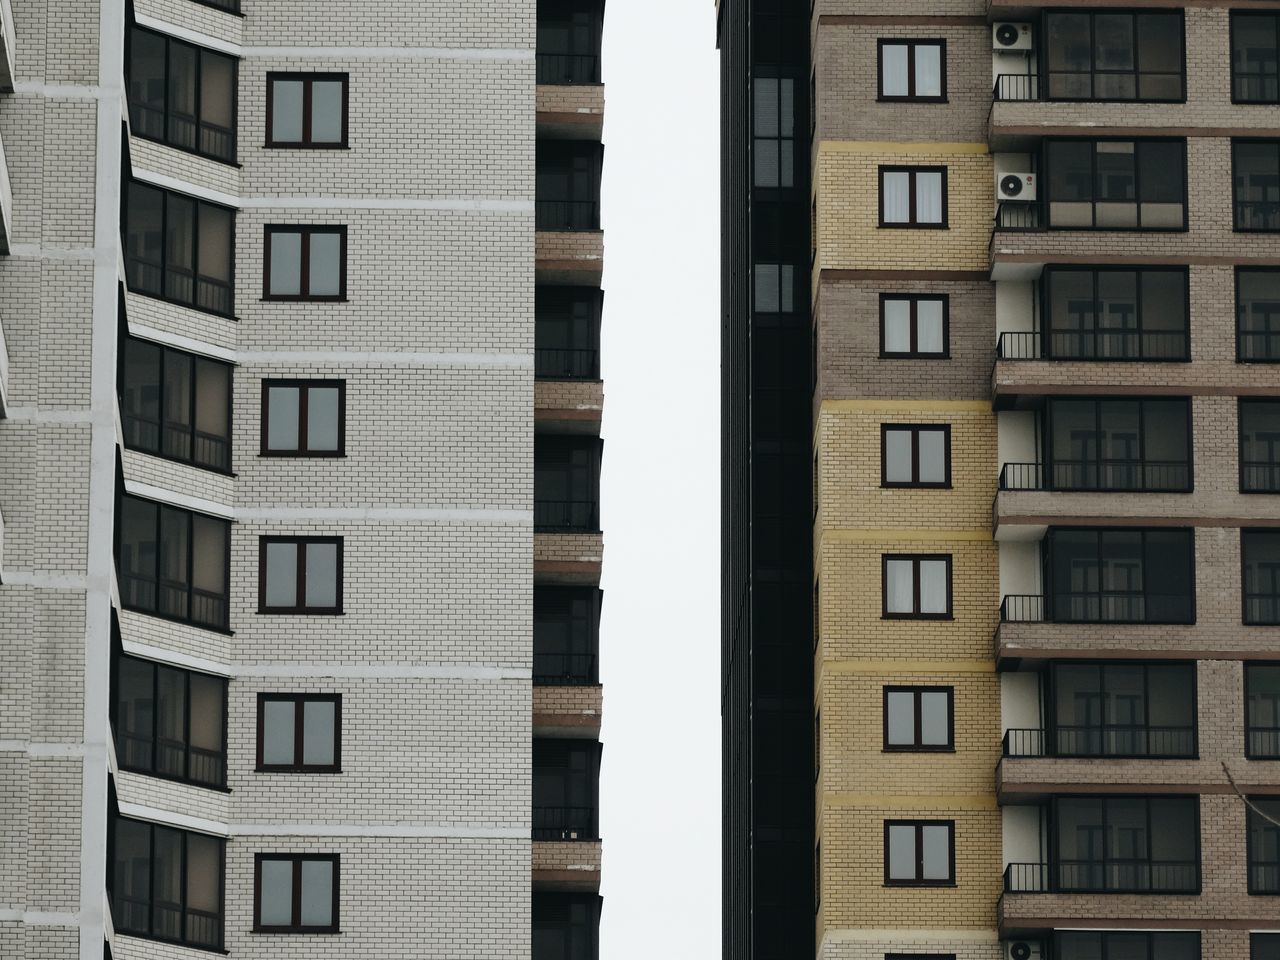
x: 172, y: 562
x: 1116, y: 184
x: 567, y: 191
x: 566, y: 926
x: 295, y: 893
x: 774, y: 148
x: 305, y: 263
x: 918, y: 718
x: 300, y: 732
x: 175, y: 404
x: 776, y: 288
x: 1098, y: 313
x: 1122, y: 710
x: 914, y: 326
x: 165, y: 884
x: 566, y: 631
x: 1255, y: 57
x: 566, y: 483
x: 919, y: 852
x: 1260, y: 550
x: 1257, y: 184
x: 567, y: 332
x: 1126, y: 844
x: 1264, y: 946
x: 1125, y: 945
x: 1264, y: 845
x: 913, y: 70
x: 170, y: 722
x: 181, y: 94
x: 1120, y: 575
x: 1262, y: 711
x: 913, y: 455
x: 304, y: 418
x: 307, y: 110
x: 566, y: 786
x: 1115, y: 56
x: 179, y: 248
x: 1258, y: 314
x: 300, y: 575
x: 568, y: 41
x: 917, y: 587
x: 1260, y: 446
x: 1114, y: 444
x: 913, y: 197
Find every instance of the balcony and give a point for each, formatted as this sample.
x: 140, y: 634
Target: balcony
x: 1115, y: 606
x: 565, y: 926
x: 1105, y: 475
x: 1117, y: 740
x: 1101, y: 345
x: 1104, y: 876
x: 565, y: 823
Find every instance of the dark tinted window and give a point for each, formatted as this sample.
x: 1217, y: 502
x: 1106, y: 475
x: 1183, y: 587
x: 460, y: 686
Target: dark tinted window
x: 1114, y: 56
x: 1138, y: 314
x: 1262, y: 709
x: 1118, y: 444
x: 567, y: 332
x: 1264, y: 845
x: 1261, y: 550
x: 179, y: 248
x: 568, y: 184
x: 1123, y: 709
x: 1255, y: 57
x: 181, y: 94
x: 1258, y: 314
x: 1116, y: 184
x: 1125, y: 945
x: 1112, y: 844
x: 1257, y: 184
x: 566, y: 627
x: 566, y: 483
x: 566, y: 926
x: 176, y: 404
x: 569, y: 41
x: 1120, y: 575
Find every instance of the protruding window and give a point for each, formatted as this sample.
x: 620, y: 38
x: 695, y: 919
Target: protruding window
x: 181, y: 94
x: 1115, y: 55
x: 179, y: 248
x: 1117, y: 184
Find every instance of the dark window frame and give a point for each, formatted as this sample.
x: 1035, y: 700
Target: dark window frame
x: 555, y: 603
x: 1047, y: 331
x: 1270, y: 334
x: 1236, y: 202
x: 300, y: 609
x: 1249, y: 728
x: 1243, y: 463
x: 305, y: 230
x: 1105, y: 935
x: 914, y: 299
x: 1140, y: 465
x: 1094, y: 72
x: 1093, y: 142
x: 915, y: 559
x: 1252, y: 862
x: 297, y: 859
x: 919, y: 747
x: 300, y: 700
x: 1235, y: 76
x: 1245, y: 595
x: 915, y: 429
x: 919, y: 826
x: 307, y: 79
x: 304, y: 387
x: 911, y: 43
x: 912, y: 222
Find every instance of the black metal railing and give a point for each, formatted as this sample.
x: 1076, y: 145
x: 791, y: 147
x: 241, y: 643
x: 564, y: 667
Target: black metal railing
x: 567, y: 215
x: 1258, y: 215
x: 1017, y: 87
x: 1260, y: 476
x: 1264, y: 742
x: 1261, y: 345
x: 568, y: 68
x: 580, y: 516
x: 561, y: 363
x: 564, y: 669
x: 1100, y: 475
x: 1102, y: 740
x: 1161, y: 345
x: 1261, y: 608
x: 1023, y: 742
x: 1103, y: 876
x: 1020, y: 215
x: 1022, y: 608
x: 565, y: 823
x: 1026, y: 878
x: 1020, y: 345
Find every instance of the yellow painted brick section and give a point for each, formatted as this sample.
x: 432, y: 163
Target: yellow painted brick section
x: 847, y: 199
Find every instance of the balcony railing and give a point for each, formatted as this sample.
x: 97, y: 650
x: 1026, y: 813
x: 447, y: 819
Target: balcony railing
x: 564, y: 669
x: 1020, y: 215
x: 565, y: 823
x: 1108, y: 740
x: 1017, y: 87
x: 557, y: 363
x: 1260, y: 476
x: 1135, y: 476
x: 1022, y: 608
x: 1099, y: 345
x: 568, y: 215
x: 1103, y: 876
x: 568, y: 68
x: 566, y: 516
x: 1118, y: 606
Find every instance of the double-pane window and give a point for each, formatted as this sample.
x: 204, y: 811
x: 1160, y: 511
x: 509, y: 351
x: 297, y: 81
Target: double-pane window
x: 295, y: 893
x: 567, y: 332
x: 170, y: 722
x: 1260, y: 446
x: 307, y: 110
x: 172, y: 562
x: 566, y: 785
x: 1122, y: 710
x: 300, y: 575
x: 568, y: 41
x: 1258, y: 314
x: 1255, y: 57
x: 913, y: 70
x: 179, y: 248
x: 918, y: 718
x: 917, y: 586
x: 773, y: 156
x: 914, y: 326
x: 1262, y: 710
x: 567, y: 184
x: 1116, y: 184
x: 1120, y: 575
x: 919, y: 852
x: 303, y: 418
x: 181, y: 94
x: 1114, y: 56
x: 166, y: 884
x: 306, y: 263
x: 300, y: 732
x: 913, y: 455
x: 566, y: 630
x: 176, y: 404
x: 1261, y: 551
x: 1125, y: 945
x: 565, y: 926
x: 566, y: 483
x: 1118, y: 444
x: 1094, y: 313
x: 1126, y: 844
x: 1264, y: 845
x: 776, y: 288
x: 913, y: 197
x: 1257, y: 184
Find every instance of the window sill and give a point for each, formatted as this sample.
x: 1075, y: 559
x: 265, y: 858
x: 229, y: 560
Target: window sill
x: 914, y: 226
x: 890, y: 749
x: 303, y: 455
x: 887, y: 485
x: 919, y: 883
x: 305, y: 146
x: 279, y: 298
x: 917, y: 616
x: 296, y: 612
x: 909, y: 100
x: 320, y: 770
x: 307, y: 931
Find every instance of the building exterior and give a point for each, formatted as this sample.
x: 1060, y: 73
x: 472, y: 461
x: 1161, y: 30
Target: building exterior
x: 1044, y: 251
x: 299, y: 387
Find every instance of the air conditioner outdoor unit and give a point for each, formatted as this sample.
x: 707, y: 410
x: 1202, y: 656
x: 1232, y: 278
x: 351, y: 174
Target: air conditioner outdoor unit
x: 1023, y: 950
x: 1019, y: 187
x: 1011, y: 36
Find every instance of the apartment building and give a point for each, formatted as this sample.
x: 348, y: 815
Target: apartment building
x: 299, y: 407
x: 1043, y: 275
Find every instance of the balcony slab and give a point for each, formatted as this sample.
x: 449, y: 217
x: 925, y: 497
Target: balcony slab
x: 567, y: 711
x: 568, y: 406
x: 569, y: 257
x: 1029, y: 779
x: 1211, y: 639
x: 566, y: 865
x: 1024, y: 514
x: 570, y: 111
x: 568, y: 558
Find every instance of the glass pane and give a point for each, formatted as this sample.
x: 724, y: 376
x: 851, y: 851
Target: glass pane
x: 1182, y: 946
x: 135, y: 712
x: 929, y: 197
x: 1164, y: 307
x: 1113, y: 41
x: 166, y: 878
x: 317, y: 893
x: 894, y: 69
x: 1068, y: 41
x: 901, y: 713
x: 216, y: 233
x: 213, y: 398
x: 1160, y: 42
x: 282, y: 418
x: 171, y: 721
x: 140, y: 394
x: 206, y: 712
x: 1080, y: 945
x: 322, y: 575
x: 933, y: 456
x: 902, y: 852
x: 318, y: 727
x: 143, y: 236
x: 278, y: 718
x: 928, y: 70
x: 897, y: 326
x: 1070, y: 171
x: 131, y: 889
x: 286, y: 263
x: 138, y: 547
x: 933, y: 586
x: 324, y: 275
x: 282, y: 575
x: 322, y: 418
x: 326, y: 111
x: 899, y: 586
x: 935, y: 718
x: 209, y: 556
x: 275, y: 895
x: 1161, y: 171
x: 182, y: 95
x: 146, y: 73
x: 937, y: 852
x: 895, y: 196
x: 204, y: 873
x: 180, y: 232
x: 218, y: 90
x: 897, y: 456
x: 929, y: 326
x: 286, y: 111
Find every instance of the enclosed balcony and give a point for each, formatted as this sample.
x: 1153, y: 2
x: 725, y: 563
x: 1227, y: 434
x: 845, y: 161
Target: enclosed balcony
x: 567, y: 544
x: 568, y: 393
x: 566, y: 926
x: 566, y: 833
x: 569, y: 33
x: 569, y: 243
x: 567, y: 696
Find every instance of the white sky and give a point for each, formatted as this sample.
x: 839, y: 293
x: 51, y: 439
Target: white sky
x: 660, y: 636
